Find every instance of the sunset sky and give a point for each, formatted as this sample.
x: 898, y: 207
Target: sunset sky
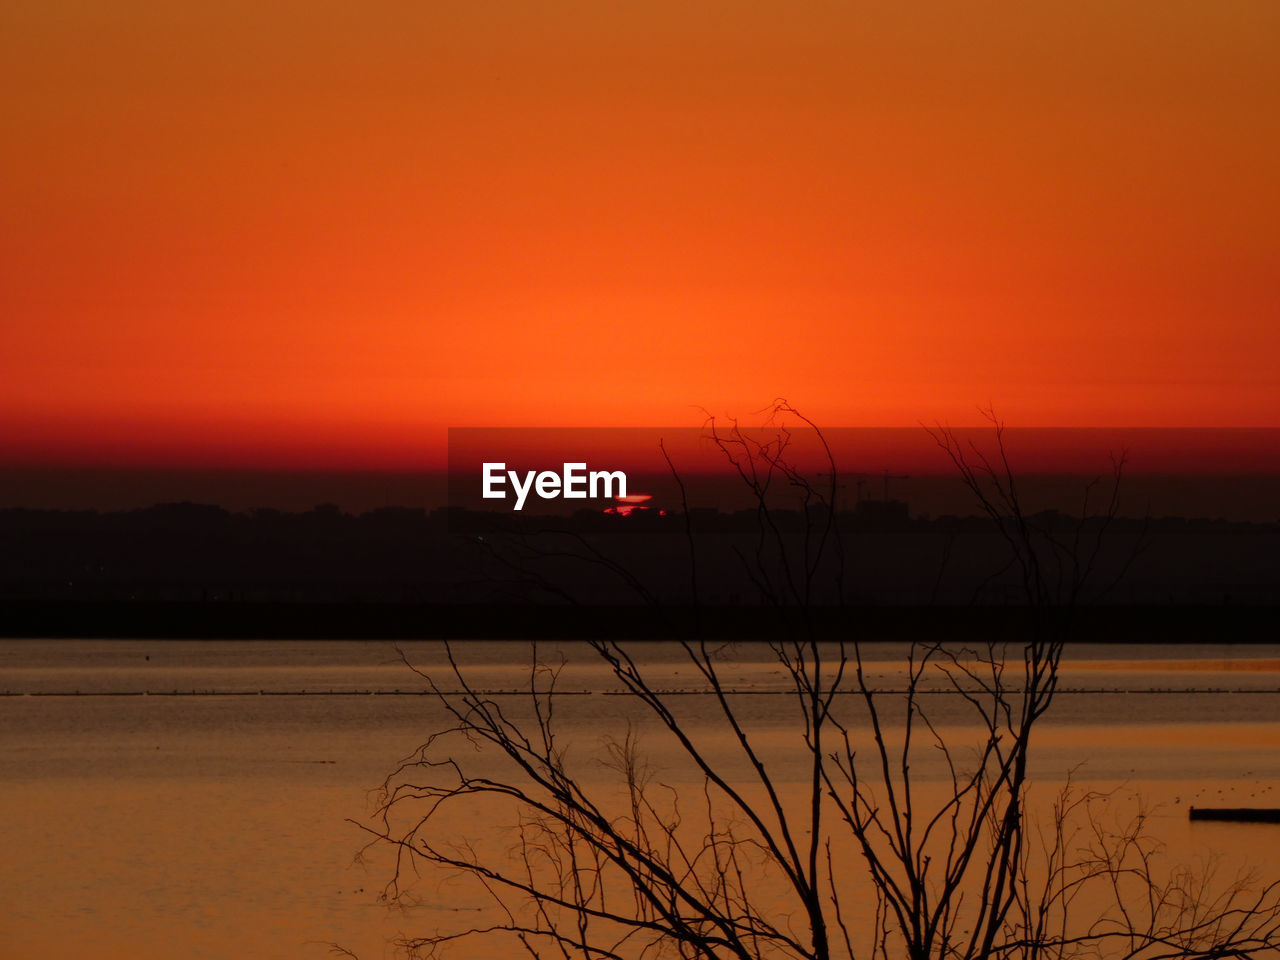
x: 320, y: 233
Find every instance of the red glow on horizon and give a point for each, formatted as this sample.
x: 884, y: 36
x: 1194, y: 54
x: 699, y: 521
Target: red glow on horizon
x: 631, y: 504
x: 257, y: 236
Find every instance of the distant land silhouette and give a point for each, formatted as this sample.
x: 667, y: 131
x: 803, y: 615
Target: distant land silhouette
x: 190, y: 569
x: 1197, y: 473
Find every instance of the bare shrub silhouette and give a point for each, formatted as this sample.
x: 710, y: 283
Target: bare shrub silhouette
x: 890, y: 817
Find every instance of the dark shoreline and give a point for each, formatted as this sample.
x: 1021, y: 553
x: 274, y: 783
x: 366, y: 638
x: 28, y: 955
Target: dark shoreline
x: 354, y: 620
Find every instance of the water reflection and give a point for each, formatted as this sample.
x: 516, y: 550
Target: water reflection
x: 145, y: 821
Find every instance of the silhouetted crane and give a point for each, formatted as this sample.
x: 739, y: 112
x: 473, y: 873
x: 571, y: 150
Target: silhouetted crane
x: 860, y: 481
x: 844, y: 486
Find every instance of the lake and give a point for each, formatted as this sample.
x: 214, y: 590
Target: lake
x: 193, y: 798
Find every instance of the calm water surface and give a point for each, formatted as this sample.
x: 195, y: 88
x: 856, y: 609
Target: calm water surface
x: 175, y: 798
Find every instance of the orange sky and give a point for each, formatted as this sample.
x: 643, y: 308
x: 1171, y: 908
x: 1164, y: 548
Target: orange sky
x: 322, y: 232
